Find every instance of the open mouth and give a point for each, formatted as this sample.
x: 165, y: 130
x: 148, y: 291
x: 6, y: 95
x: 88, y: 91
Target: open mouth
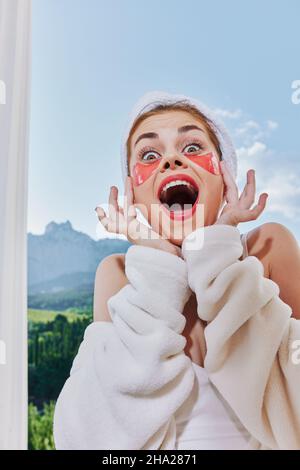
x: 178, y: 195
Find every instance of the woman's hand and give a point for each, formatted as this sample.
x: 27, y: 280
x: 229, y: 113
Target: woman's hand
x: 125, y: 222
x: 238, y: 209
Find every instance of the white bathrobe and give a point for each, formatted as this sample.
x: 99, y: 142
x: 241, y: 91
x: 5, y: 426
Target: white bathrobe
x: 131, y: 375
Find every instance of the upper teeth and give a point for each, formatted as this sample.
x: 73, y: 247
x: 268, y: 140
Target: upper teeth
x: 176, y: 183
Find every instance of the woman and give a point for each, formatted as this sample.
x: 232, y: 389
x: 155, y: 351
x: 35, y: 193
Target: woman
x: 191, y: 344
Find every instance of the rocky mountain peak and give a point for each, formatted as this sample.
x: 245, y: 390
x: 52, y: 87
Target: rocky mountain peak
x: 53, y: 227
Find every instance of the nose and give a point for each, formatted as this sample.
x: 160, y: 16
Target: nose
x: 173, y: 162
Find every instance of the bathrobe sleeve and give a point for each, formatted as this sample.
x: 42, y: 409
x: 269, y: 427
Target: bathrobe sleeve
x: 131, y: 375
x: 252, y: 343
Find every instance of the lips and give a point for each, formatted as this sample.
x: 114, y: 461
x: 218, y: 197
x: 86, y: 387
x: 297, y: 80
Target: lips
x: 177, y: 191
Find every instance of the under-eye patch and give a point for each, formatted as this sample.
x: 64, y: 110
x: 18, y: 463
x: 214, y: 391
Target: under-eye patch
x: 142, y: 171
x: 208, y: 162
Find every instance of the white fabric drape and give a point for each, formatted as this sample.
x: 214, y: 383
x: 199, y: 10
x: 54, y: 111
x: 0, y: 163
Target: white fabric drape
x: 15, y: 77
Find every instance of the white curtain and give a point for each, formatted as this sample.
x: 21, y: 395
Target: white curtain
x: 15, y: 77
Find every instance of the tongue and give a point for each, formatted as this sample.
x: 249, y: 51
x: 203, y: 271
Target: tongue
x: 178, y: 196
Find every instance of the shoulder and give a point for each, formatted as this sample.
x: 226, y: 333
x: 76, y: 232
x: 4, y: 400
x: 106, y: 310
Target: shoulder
x: 112, y: 262
x: 110, y: 277
x: 269, y: 233
x: 269, y: 240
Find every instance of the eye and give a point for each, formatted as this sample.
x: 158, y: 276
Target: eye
x: 197, y: 146
x: 147, y: 154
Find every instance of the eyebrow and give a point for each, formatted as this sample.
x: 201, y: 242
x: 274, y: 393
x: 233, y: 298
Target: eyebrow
x: 181, y: 130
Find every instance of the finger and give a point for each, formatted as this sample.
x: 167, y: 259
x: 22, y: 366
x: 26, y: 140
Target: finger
x: 231, y: 193
x: 125, y: 204
x: 113, y: 202
x: 102, y: 217
x: 247, y: 197
x: 129, y: 208
x: 260, y: 206
x: 115, y: 197
x: 120, y: 209
x: 116, y: 214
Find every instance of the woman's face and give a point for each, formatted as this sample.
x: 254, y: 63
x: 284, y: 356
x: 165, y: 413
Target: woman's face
x: 173, y: 148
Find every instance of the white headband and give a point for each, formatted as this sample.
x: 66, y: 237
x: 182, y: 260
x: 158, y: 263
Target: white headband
x: 152, y: 99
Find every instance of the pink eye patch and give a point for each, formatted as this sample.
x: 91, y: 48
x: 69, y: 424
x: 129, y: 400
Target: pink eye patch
x: 142, y: 171
x: 209, y: 162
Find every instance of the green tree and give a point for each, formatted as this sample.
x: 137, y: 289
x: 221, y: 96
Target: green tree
x: 40, y: 427
x: 52, y: 346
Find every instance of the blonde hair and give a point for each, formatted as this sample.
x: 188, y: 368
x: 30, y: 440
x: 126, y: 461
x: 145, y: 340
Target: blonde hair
x: 182, y: 106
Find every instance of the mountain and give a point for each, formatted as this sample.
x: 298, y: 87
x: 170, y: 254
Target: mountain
x: 62, y: 263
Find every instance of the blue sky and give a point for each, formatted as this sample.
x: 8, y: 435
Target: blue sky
x: 91, y: 61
